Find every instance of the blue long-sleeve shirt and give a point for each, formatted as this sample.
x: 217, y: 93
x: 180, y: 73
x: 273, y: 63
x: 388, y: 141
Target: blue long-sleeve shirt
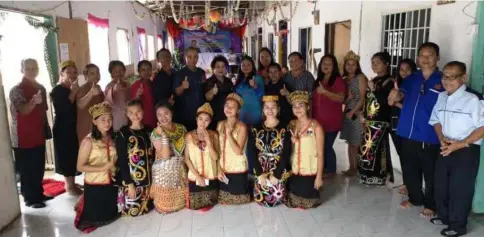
x: 420, y: 98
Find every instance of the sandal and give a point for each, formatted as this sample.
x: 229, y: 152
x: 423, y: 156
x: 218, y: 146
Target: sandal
x: 403, y: 190
x: 450, y: 233
x: 406, y: 204
x: 437, y: 221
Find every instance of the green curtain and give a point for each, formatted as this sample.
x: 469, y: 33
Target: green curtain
x: 477, y: 82
x: 50, y: 45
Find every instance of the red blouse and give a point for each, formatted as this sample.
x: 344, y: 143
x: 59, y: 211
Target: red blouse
x: 327, y: 112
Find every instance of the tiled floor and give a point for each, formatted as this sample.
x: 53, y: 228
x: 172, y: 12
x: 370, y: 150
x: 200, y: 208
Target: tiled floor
x: 349, y: 210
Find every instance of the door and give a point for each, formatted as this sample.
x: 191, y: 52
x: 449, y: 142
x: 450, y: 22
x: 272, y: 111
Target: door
x: 73, y: 41
x: 337, y: 40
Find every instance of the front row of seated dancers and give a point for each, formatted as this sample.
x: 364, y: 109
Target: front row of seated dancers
x: 133, y: 170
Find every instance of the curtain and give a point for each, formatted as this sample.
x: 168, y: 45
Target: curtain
x: 99, y: 46
x: 141, y: 43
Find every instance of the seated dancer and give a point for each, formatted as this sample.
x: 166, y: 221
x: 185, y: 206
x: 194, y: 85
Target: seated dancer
x: 458, y: 120
x: 169, y: 174
x: 270, y: 148
x: 97, y: 156
x: 135, y: 157
x: 201, y: 155
x: 307, y: 155
x: 232, y: 173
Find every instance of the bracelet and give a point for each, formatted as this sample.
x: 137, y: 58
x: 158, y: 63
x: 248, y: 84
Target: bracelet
x: 164, y: 141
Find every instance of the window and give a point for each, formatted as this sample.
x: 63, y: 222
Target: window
x: 151, y: 48
x: 159, y: 42
x: 99, y: 46
x: 403, y: 33
x: 305, y: 45
x: 270, y: 42
x: 122, y: 40
x: 142, y: 43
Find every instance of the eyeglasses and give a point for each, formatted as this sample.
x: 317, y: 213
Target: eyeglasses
x: 450, y: 77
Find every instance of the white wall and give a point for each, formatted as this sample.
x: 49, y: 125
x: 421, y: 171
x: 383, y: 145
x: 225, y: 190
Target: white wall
x: 119, y: 13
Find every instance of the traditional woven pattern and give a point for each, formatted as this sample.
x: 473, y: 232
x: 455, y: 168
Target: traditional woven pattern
x: 295, y: 201
x: 231, y: 199
x: 203, y: 199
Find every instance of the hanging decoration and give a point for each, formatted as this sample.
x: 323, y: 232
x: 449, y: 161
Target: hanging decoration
x: 214, y: 16
x: 48, y: 27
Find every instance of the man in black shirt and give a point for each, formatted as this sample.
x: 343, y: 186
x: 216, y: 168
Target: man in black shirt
x: 162, y: 85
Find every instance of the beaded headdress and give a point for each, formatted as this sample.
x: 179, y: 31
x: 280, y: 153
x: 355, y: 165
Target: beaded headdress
x: 236, y: 97
x: 100, y: 109
x: 299, y: 96
x: 351, y: 56
x: 68, y: 63
x: 205, y: 108
x: 270, y: 98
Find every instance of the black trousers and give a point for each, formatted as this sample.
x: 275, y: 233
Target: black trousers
x: 418, y: 158
x: 31, y: 166
x: 397, y: 142
x: 454, y: 191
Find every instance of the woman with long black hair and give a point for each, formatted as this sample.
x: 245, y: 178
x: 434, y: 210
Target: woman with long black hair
x: 328, y: 97
x: 265, y: 59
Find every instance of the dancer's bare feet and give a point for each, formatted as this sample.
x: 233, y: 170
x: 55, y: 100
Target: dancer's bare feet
x: 74, y: 190
x: 350, y: 172
x: 405, y: 204
x: 403, y: 190
x: 427, y: 213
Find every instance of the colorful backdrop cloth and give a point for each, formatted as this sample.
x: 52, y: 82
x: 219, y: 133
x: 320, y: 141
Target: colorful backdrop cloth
x: 206, y: 42
x: 234, y: 34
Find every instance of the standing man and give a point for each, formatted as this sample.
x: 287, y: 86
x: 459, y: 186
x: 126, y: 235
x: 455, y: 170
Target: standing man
x: 28, y: 111
x: 458, y: 120
x: 420, y: 145
x: 162, y: 85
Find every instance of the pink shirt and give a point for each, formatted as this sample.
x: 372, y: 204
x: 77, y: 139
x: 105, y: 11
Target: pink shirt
x: 149, y: 116
x: 327, y: 112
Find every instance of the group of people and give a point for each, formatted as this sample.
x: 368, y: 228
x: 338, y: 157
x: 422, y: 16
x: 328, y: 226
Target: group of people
x: 180, y: 140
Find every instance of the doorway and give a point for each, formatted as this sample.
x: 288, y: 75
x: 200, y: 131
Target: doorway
x: 282, y: 46
x: 337, y: 40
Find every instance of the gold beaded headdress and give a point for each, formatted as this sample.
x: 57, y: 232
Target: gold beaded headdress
x: 205, y: 108
x: 351, y: 56
x: 100, y: 109
x: 68, y: 63
x: 299, y: 96
x: 236, y: 97
x: 270, y: 98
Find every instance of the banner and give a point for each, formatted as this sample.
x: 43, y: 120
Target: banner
x: 206, y: 42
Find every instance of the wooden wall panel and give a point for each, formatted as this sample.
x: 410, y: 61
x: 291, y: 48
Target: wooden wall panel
x: 74, y: 32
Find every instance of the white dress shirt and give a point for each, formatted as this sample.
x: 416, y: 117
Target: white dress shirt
x: 459, y: 114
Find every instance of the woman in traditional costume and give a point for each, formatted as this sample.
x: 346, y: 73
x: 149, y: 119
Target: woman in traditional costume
x: 375, y: 163
x: 232, y: 172
x: 307, y: 159
x: 201, y: 157
x: 270, y: 148
x: 135, y: 158
x: 97, y: 156
x: 169, y: 186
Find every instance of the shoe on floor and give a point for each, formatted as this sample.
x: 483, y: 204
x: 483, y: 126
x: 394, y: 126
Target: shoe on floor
x: 47, y: 198
x: 37, y: 205
x: 447, y: 232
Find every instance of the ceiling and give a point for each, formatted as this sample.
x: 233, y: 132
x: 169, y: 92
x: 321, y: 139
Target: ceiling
x: 198, y: 7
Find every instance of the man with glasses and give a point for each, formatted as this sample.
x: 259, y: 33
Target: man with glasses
x: 458, y: 120
x: 420, y: 145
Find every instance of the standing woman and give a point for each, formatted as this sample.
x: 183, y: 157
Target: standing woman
x: 135, y: 158
x: 66, y: 145
x: 265, y: 59
x: 169, y: 186
x: 233, y: 165
x: 201, y: 157
x: 97, y: 155
x: 217, y: 88
x: 356, y: 83
x: 141, y: 90
x: 405, y: 68
x: 250, y: 87
x: 270, y: 149
x: 375, y: 163
x: 328, y: 98
x: 307, y: 159
x: 88, y: 95
x: 117, y: 93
